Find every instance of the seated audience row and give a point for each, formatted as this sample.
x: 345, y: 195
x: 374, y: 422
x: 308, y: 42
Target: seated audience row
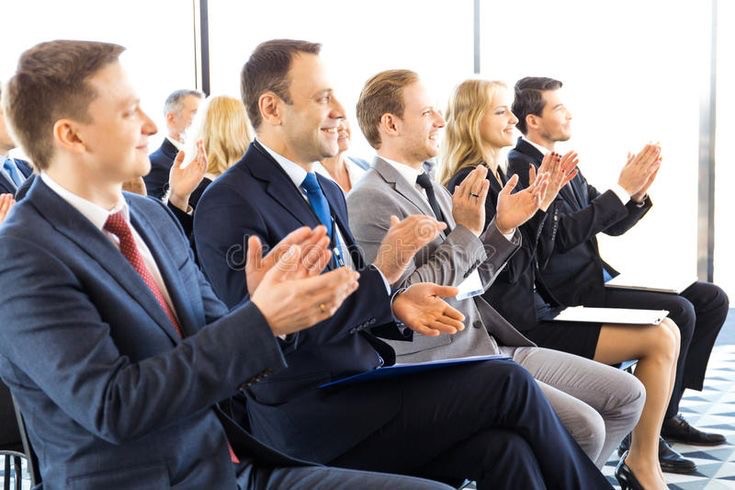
x: 157, y: 375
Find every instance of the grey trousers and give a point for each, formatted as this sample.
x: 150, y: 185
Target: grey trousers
x: 597, y: 404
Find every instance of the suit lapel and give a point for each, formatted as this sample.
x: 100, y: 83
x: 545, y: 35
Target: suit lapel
x: 24, y: 167
x: 169, y: 273
x: 409, y: 192
x: 91, y: 241
x: 278, y: 185
x: 401, y: 186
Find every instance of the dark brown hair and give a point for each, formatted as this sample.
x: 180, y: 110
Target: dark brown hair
x: 529, y: 98
x: 267, y: 71
x: 51, y: 83
x: 382, y: 94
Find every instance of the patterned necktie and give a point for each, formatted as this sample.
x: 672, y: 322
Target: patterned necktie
x: 118, y: 226
x: 12, y: 171
x: 424, y: 181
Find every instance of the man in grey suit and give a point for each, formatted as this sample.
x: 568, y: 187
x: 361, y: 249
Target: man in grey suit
x: 598, y: 404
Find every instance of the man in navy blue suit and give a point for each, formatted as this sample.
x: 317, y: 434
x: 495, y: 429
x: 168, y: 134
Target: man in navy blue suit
x: 439, y: 424
x: 179, y: 110
x: 112, y: 342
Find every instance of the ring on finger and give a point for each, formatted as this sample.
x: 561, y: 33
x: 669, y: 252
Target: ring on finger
x: 322, y: 307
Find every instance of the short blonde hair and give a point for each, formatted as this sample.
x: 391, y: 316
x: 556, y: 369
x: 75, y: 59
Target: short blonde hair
x: 225, y: 130
x: 382, y: 94
x: 462, y: 143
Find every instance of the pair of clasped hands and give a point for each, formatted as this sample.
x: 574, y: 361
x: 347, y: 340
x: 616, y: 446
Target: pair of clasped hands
x: 290, y: 291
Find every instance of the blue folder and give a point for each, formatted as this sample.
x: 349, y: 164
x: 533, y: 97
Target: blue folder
x: 408, y: 368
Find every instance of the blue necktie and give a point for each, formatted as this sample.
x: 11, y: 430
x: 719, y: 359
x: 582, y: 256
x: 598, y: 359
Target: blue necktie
x: 12, y: 170
x: 317, y: 200
x: 320, y: 205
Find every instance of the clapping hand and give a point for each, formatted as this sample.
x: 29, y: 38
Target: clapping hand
x: 640, y: 171
x: 515, y: 209
x: 561, y: 170
x: 293, y: 295
x: 423, y: 310
x: 403, y: 240
x: 313, y: 253
x: 468, y: 200
x: 183, y: 180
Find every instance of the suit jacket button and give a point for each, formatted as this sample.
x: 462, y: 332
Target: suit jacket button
x: 477, y: 324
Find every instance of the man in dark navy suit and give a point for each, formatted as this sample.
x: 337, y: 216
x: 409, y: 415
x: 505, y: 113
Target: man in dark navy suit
x: 112, y: 342
x: 488, y: 421
x: 179, y: 110
x: 575, y: 272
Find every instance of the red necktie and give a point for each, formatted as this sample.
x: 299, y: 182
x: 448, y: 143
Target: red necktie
x: 118, y: 226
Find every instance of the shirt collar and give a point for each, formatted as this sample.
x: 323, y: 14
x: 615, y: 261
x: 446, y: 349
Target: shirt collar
x: 93, y: 212
x: 295, y: 172
x: 178, y: 144
x: 540, y: 148
x: 408, y: 173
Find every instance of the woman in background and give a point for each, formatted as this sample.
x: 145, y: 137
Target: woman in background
x: 225, y: 130
x: 479, y: 125
x: 344, y: 170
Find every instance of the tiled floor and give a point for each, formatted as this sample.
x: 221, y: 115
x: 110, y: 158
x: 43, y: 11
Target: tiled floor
x: 712, y: 410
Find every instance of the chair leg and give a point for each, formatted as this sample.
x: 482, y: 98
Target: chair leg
x: 18, y: 473
x: 6, y: 475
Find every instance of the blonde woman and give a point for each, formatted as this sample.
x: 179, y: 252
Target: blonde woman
x: 225, y: 131
x: 480, y: 125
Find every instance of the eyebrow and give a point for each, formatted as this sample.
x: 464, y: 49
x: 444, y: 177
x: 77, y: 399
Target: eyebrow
x: 557, y: 106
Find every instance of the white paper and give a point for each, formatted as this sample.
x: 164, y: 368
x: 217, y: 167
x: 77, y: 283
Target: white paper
x: 471, y: 286
x: 625, y: 316
x: 659, y: 283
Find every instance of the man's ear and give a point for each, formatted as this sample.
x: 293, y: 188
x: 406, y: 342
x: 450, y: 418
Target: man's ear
x: 68, y: 137
x: 389, y: 124
x: 269, y: 105
x: 170, y: 116
x: 533, y: 121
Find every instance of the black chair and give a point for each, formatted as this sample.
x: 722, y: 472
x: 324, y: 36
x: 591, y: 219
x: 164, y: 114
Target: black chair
x: 11, y: 443
x: 28, y: 452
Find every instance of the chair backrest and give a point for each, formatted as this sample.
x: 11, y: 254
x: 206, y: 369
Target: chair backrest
x: 9, y: 433
x: 27, y: 449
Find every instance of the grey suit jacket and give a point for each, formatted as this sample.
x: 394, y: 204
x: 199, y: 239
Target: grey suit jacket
x: 448, y: 260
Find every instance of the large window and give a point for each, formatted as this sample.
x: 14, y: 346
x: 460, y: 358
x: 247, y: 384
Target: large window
x: 359, y: 39
x: 632, y: 73
x: 159, y: 36
x: 724, y: 166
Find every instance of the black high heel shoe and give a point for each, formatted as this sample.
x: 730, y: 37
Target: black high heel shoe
x: 625, y: 475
